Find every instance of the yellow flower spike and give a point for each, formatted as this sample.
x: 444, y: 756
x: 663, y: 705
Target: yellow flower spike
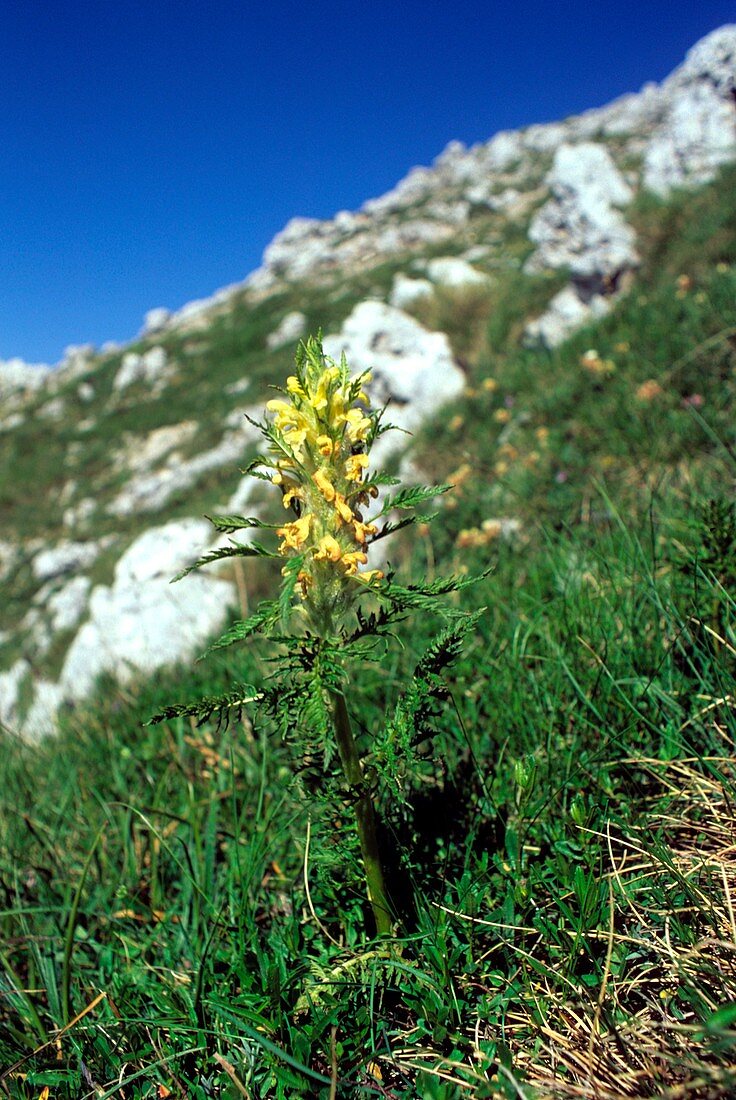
x: 294, y: 534
x: 355, y: 465
x: 328, y: 549
x: 323, y: 483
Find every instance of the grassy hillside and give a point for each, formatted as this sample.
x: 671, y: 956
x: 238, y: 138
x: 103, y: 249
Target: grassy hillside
x: 178, y: 920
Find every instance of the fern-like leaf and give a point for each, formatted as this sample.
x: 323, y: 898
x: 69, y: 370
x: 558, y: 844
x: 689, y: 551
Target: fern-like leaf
x: 236, y: 549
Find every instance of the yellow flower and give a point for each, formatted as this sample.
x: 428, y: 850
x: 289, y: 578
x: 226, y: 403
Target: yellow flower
x: 352, y: 560
x: 323, y: 483
x: 363, y: 530
x: 293, y: 492
x: 357, y: 424
x: 294, y: 386
x: 343, y: 509
x: 355, y: 465
x: 370, y: 575
x: 324, y: 445
x: 321, y: 398
x: 328, y: 549
x: 294, y: 534
x: 502, y: 416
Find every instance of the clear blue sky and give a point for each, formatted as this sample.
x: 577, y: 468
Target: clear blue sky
x: 150, y: 150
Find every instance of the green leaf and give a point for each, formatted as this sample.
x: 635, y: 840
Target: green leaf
x: 221, y: 705
x: 413, y: 496
x: 264, y: 617
x: 228, y: 524
x: 236, y: 549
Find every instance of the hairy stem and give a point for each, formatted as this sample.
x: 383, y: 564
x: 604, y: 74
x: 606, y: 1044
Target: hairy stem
x: 365, y: 817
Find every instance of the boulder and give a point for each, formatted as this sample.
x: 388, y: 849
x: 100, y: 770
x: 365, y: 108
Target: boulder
x: 579, y: 227
x: 142, y: 622
x: 66, y: 557
x: 453, y: 272
x: 698, y: 132
x: 155, y: 321
x: 289, y: 331
x: 412, y: 369
x: 17, y: 375
x: 566, y: 313
x: 406, y: 292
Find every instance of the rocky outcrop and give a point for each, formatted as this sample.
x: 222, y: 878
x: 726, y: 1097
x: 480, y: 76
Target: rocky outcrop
x: 698, y: 132
x: 580, y: 230
x: 17, y: 376
x: 142, y: 622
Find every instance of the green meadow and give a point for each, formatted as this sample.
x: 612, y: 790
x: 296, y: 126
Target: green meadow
x: 179, y: 919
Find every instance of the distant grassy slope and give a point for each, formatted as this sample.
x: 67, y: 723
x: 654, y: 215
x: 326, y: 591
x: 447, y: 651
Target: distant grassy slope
x: 566, y: 848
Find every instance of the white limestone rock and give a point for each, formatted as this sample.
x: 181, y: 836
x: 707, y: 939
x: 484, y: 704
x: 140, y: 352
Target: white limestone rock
x: 406, y: 292
x: 453, y: 272
x: 149, y: 491
x: 698, y: 133
x: 140, y: 452
x: 156, y: 320
x: 580, y: 227
x: 290, y: 330
x: 53, y: 410
x: 67, y: 605
x: 566, y: 313
x: 17, y: 376
x: 151, y: 367
x: 65, y: 557
x: 41, y: 717
x: 412, y: 368
x: 142, y: 622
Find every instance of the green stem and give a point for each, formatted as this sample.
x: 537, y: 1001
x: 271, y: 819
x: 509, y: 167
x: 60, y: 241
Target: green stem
x: 365, y: 817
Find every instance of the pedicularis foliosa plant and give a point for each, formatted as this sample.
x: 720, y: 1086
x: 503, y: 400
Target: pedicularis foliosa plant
x: 333, y: 612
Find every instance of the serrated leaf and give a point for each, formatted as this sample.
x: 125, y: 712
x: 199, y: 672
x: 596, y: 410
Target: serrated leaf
x: 228, y: 524
x: 245, y: 628
x: 413, y: 496
x: 237, y: 549
x: 202, y: 709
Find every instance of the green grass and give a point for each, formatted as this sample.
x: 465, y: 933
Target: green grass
x: 175, y: 913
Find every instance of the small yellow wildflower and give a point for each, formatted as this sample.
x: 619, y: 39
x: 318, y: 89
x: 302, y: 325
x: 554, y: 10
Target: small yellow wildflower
x: 294, y: 534
x: 352, y: 560
x: 357, y: 425
x: 324, y: 445
x: 328, y: 549
x: 355, y: 465
x: 363, y: 530
x: 323, y: 483
x: 649, y: 390
x: 489, y: 385
x: 343, y: 509
x: 502, y: 416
